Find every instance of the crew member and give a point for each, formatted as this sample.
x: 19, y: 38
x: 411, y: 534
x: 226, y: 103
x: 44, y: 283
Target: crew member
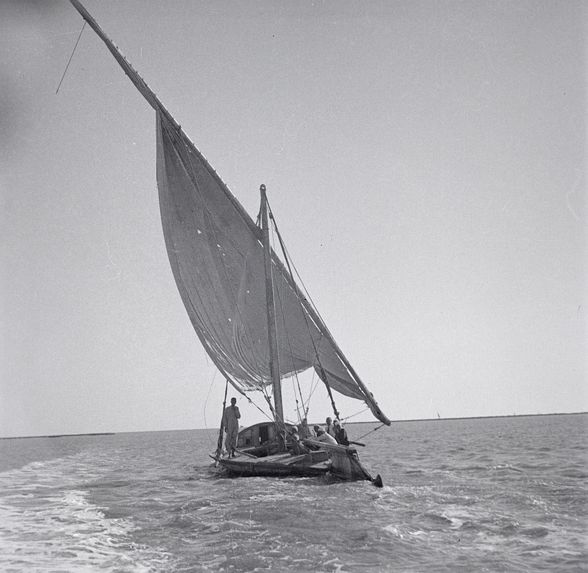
x: 231, y: 417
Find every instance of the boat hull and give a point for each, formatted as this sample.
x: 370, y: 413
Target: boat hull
x: 337, y: 461
x: 259, y: 453
x: 277, y: 465
x: 345, y: 464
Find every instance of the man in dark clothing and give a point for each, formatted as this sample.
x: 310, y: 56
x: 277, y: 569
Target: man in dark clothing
x: 231, y: 417
x: 340, y: 433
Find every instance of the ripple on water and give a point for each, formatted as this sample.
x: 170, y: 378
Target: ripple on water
x: 144, y: 506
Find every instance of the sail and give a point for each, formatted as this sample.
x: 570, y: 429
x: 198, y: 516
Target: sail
x: 217, y: 261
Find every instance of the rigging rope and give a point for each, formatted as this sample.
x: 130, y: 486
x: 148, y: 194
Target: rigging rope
x: 313, y: 386
x: 70, y: 58
x: 353, y: 415
x: 308, y: 297
x: 219, y: 444
x: 206, y: 404
x: 249, y: 399
x: 320, y: 366
x: 288, y: 340
x: 371, y: 431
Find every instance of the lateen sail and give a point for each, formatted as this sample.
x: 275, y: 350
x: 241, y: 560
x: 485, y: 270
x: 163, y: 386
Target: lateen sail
x: 217, y: 260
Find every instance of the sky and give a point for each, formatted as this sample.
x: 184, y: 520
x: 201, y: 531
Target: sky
x: 425, y: 161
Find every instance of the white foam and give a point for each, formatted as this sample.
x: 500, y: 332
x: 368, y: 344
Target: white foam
x: 47, y: 523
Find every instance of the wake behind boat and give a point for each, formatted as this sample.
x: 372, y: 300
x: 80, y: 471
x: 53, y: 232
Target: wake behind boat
x: 251, y: 316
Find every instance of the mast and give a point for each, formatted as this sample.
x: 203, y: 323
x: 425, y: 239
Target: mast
x: 271, y: 311
x: 186, y: 157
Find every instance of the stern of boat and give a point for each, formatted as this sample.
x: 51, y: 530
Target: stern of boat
x: 345, y: 462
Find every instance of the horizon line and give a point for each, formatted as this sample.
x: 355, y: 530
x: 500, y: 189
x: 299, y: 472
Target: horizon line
x: 438, y: 419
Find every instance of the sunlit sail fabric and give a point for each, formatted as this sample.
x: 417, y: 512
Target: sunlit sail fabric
x: 217, y: 261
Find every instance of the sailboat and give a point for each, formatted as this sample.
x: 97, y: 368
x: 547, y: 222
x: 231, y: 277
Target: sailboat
x: 254, y: 321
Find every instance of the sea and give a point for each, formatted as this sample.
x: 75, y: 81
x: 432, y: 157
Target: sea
x: 490, y: 494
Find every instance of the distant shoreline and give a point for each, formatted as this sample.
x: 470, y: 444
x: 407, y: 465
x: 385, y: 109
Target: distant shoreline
x: 310, y: 424
x: 63, y: 435
x: 481, y: 417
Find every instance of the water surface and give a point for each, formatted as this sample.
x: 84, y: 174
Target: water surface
x: 496, y: 494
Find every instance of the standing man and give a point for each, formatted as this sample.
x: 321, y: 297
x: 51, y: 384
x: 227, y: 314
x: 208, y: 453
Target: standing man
x: 231, y: 417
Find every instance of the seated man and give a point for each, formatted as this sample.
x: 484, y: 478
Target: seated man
x: 322, y: 436
x: 298, y: 447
